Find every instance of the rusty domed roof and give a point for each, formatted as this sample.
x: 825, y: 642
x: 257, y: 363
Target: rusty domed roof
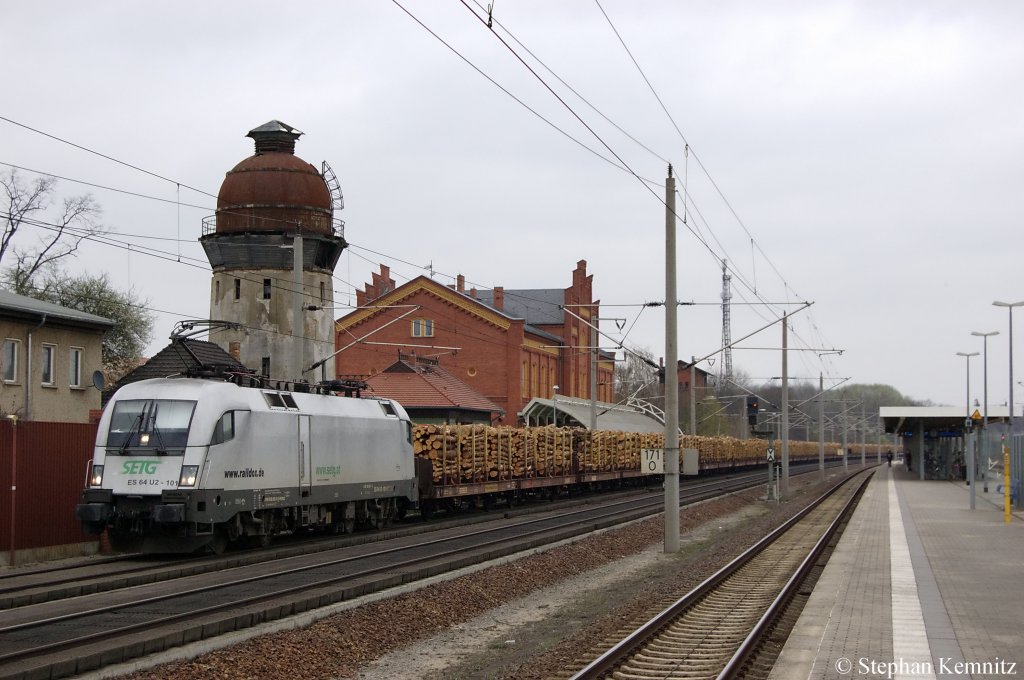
x: 274, y: 190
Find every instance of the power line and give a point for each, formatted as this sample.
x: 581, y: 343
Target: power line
x: 103, y: 155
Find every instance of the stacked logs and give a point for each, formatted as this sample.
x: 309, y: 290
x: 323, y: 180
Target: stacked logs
x: 462, y: 454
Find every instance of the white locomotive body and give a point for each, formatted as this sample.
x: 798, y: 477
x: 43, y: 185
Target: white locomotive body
x: 182, y: 463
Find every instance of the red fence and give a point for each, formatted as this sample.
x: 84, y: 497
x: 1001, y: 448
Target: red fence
x: 50, y: 461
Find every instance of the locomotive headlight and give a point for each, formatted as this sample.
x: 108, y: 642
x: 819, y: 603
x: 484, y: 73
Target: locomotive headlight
x: 144, y: 439
x: 96, y: 476
x: 188, y: 475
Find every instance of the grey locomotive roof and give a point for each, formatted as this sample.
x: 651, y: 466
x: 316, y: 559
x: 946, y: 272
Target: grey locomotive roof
x: 536, y: 305
x: 26, y: 306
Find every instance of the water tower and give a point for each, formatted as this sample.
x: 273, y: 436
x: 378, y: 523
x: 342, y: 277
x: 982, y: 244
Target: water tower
x: 273, y: 245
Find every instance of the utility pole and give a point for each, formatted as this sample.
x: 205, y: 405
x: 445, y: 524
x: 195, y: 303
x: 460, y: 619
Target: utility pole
x: 693, y: 395
x: 821, y: 425
x: 784, y: 482
x: 593, y: 371
x: 671, y: 374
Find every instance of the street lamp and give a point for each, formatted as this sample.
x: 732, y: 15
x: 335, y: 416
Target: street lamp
x: 967, y: 424
x: 1006, y: 473
x: 554, y: 405
x: 984, y: 417
x: 968, y: 356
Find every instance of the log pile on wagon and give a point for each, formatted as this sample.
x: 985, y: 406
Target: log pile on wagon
x: 462, y: 454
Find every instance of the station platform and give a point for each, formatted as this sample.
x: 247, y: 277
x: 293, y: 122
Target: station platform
x: 920, y: 586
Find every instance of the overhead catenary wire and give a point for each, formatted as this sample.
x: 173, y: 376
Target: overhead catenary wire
x: 754, y: 245
x: 683, y: 216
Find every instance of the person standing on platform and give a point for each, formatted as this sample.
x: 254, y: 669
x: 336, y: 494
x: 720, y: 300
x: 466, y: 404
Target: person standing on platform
x: 888, y: 457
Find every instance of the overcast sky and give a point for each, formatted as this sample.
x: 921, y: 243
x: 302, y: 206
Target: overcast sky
x: 870, y: 156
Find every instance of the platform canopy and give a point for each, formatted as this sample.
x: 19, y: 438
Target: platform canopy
x: 944, y: 419
x: 573, y: 412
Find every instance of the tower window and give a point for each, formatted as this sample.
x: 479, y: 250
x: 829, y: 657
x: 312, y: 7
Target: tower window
x: 265, y: 366
x: 238, y: 288
x: 323, y: 298
x: 266, y: 289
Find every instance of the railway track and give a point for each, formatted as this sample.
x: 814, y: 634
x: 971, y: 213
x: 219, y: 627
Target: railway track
x: 717, y: 629
x: 33, y: 586
x: 59, y: 637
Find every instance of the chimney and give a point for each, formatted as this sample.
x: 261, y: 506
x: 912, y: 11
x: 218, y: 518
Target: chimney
x: 460, y: 283
x: 472, y: 292
x: 274, y: 136
x: 499, y: 298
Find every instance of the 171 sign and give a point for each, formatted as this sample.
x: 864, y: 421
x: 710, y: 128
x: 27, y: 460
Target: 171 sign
x: 652, y: 461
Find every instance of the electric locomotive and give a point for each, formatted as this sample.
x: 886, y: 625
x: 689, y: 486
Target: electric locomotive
x: 186, y: 463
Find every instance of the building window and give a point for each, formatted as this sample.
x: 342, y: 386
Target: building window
x: 323, y: 294
x: 422, y: 328
x: 75, y: 367
x: 266, y: 289
x: 238, y: 289
x: 49, y: 354
x: 216, y: 290
x: 265, y: 366
x: 12, y: 349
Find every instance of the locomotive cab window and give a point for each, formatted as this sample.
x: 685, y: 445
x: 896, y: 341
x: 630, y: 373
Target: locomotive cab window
x: 224, y: 430
x: 388, y: 408
x: 158, y: 424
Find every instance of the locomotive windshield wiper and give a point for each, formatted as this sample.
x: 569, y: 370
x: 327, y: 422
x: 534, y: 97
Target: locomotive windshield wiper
x: 136, y: 427
x: 160, y: 448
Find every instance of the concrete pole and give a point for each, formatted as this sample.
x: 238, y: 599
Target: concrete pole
x: 671, y: 374
x: 693, y: 395
x: 784, y: 482
x: 984, y: 419
x: 842, y: 427
x: 821, y: 425
x: 863, y: 433
x: 593, y: 373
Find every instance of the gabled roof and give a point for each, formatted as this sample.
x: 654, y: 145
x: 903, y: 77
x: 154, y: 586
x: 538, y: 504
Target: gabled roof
x: 23, y: 306
x: 431, y: 287
x: 180, y: 356
x: 428, y: 386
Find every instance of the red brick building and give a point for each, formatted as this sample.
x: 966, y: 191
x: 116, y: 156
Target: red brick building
x: 509, y: 345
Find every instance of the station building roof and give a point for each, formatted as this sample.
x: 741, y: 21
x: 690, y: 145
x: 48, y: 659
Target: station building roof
x: 945, y: 418
x: 576, y: 413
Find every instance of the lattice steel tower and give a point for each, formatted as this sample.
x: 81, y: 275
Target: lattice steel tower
x: 725, y: 368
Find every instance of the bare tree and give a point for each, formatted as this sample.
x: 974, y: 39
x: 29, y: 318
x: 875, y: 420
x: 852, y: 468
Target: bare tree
x: 60, y: 231
x: 637, y: 376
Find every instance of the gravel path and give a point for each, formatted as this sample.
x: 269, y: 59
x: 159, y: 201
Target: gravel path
x: 528, y: 619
